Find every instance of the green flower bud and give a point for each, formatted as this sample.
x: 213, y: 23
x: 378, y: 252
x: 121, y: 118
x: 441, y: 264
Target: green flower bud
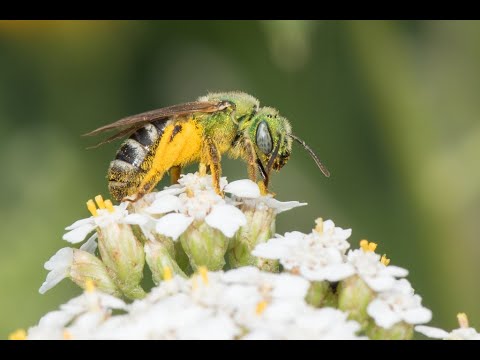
x: 204, y: 246
x: 354, y: 295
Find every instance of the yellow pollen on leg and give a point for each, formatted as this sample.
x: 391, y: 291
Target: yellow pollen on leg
x: 67, y: 335
x: 262, y: 187
x: 109, y: 206
x: 203, y: 271
x: 100, y: 202
x: 202, y: 169
x: 167, y: 273
x: 367, y: 246
x: 384, y: 260
x: 89, y: 286
x: 319, y: 225
x: 19, y: 334
x: 462, y: 320
x: 261, y: 306
x: 92, y: 208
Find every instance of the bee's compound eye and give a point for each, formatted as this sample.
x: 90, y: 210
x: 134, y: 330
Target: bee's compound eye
x: 264, y: 139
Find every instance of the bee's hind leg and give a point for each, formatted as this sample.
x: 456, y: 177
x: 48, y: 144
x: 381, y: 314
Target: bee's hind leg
x: 175, y: 172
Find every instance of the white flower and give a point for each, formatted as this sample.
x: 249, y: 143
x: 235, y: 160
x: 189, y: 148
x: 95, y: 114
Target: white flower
x: 60, y: 264
x: 307, y: 255
x: 398, y: 304
x: 194, y: 200
x: 329, y: 235
x: 324, y: 324
x: 456, y: 334
x: 78, y: 318
x: 368, y: 266
x: 249, y: 194
x: 103, y: 217
x: 464, y: 332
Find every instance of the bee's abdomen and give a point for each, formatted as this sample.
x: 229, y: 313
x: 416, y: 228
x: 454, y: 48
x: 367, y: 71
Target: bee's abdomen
x: 132, y: 160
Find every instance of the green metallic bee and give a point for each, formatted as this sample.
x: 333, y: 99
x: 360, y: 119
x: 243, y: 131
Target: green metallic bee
x: 167, y: 139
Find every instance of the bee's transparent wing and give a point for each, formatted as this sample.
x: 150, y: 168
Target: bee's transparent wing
x: 132, y: 123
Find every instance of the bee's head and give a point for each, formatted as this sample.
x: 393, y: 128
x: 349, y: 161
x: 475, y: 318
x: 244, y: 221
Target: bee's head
x: 269, y: 131
x: 272, y: 136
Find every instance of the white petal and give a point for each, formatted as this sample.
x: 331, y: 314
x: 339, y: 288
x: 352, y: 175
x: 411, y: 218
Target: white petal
x: 243, y: 188
x: 80, y: 223
x: 383, y: 315
x: 379, y: 283
x: 431, y: 332
x: 90, y: 245
x: 290, y: 286
x: 171, y: 190
x: 173, y: 225
x: 135, y: 219
x: 59, y: 266
x: 79, y: 234
x: 226, y: 218
x: 333, y: 273
x: 418, y: 315
x: 164, y: 204
x: 276, y: 248
x: 395, y: 271
x: 220, y: 327
x: 280, y: 206
x: 244, y: 274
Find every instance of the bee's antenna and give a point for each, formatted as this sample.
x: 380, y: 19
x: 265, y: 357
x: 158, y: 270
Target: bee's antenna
x: 322, y: 167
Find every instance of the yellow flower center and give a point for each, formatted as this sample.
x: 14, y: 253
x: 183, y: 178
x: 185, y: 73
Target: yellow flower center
x: 89, y: 286
x: 203, y: 271
x: 92, y: 208
x: 319, y: 225
x: 19, y: 334
x: 167, y: 273
x: 367, y: 246
x: 100, y: 202
x: 384, y: 260
x: 261, y: 306
x: 462, y: 320
x: 67, y: 335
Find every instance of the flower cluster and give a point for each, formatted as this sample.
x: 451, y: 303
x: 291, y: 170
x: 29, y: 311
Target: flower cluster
x: 244, y: 303
x: 360, y: 282
x: 221, y: 272
x: 183, y: 227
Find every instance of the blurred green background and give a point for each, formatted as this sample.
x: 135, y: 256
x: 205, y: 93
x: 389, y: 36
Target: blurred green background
x: 392, y: 108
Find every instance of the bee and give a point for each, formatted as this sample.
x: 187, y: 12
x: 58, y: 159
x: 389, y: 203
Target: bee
x: 167, y: 139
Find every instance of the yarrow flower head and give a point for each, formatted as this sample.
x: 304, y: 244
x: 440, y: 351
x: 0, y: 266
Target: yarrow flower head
x: 370, y: 268
x: 398, y: 304
x: 317, y: 256
x: 245, y: 303
x: 221, y: 272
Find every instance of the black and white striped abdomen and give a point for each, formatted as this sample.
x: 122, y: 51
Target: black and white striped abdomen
x: 131, y: 161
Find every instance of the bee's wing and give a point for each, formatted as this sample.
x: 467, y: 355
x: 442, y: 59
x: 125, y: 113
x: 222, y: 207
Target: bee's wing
x: 132, y: 123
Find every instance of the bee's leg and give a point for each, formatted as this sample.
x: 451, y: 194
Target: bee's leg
x: 175, y: 172
x: 251, y: 158
x: 202, y: 169
x: 214, y: 163
x: 147, y: 185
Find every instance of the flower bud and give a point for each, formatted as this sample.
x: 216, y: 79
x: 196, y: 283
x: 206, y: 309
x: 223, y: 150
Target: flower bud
x: 354, y: 295
x: 159, y: 257
x: 204, y: 246
x: 123, y: 256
